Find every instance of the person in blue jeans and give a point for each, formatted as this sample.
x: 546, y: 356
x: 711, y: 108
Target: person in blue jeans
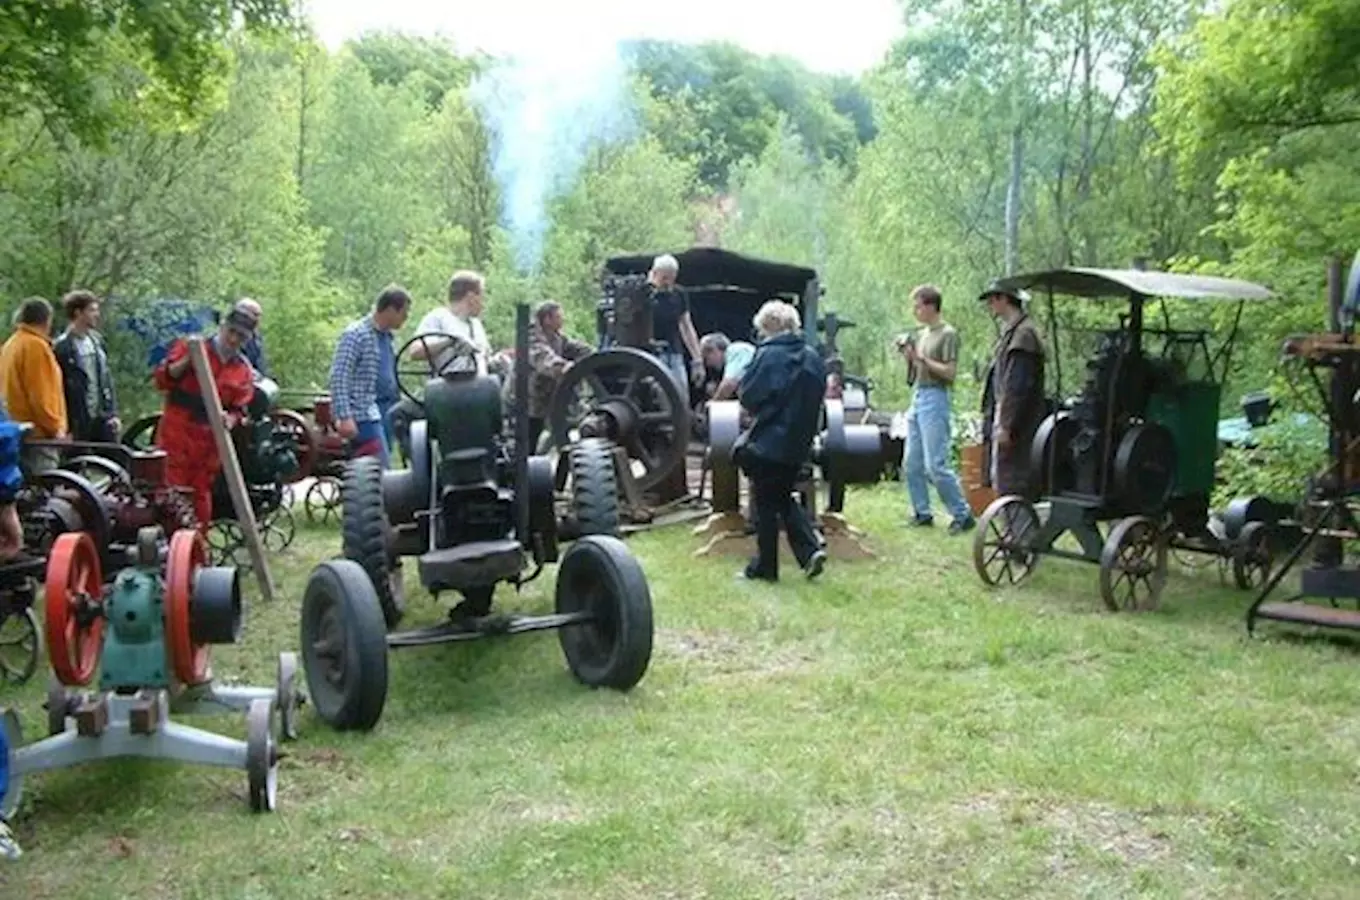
x: 11, y: 546
x: 932, y: 356
x: 362, y: 371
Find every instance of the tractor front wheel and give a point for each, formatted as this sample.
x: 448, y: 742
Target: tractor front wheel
x: 599, y: 575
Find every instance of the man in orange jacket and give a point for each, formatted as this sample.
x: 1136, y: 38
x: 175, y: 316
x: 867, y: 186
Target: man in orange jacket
x: 184, y: 433
x: 30, y: 379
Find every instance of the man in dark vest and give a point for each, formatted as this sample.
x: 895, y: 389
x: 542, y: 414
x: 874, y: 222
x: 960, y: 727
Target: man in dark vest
x: 1013, y: 395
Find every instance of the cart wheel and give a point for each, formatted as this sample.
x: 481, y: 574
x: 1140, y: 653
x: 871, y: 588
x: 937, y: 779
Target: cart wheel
x: 1001, y: 547
x: 278, y: 530
x: 18, y: 645
x: 1252, y: 556
x: 227, y: 544
x: 600, y: 575
x: 262, y: 756
x: 58, y: 707
x: 1133, y: 565
x: 11, y: 782
x: 321, y: 503
x: 289, y: 699
x: 344, y: 646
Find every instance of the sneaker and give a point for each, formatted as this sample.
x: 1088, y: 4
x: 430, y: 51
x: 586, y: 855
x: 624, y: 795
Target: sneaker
x: 959, y: 526
x: 815, y: 565
x: 9, y: 847
x: 921, y: 521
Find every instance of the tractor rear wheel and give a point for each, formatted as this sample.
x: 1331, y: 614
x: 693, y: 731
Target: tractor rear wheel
x: 366, y: 532
x: 594, y: 492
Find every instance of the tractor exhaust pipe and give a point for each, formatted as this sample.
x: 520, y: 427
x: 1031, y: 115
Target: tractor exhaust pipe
x: 522, y: 449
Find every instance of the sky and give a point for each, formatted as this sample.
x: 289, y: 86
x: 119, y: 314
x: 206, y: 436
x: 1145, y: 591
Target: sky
x: 846, y: 36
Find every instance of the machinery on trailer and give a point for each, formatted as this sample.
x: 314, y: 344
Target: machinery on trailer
x: 145, y: 635
x: 1134, y: 452
x: 1325, y: 520
x: 469, y: 509
x: 276, y: 448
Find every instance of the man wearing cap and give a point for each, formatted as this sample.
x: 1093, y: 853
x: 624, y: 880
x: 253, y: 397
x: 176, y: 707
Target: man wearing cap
x: 184, y: 432
x: 1013, y: 394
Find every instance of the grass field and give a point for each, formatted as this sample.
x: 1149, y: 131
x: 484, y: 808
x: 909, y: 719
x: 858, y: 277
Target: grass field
x: 893, y: 730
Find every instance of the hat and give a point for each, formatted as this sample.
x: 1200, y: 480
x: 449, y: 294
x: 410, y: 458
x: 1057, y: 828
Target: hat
x: 998, y: 287
x: 242, y: 319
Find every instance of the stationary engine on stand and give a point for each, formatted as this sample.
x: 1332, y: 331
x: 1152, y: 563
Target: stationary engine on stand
x: 146, y: 637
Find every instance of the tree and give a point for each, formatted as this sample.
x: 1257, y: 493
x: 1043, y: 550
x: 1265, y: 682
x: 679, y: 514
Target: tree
x: 57, y: 56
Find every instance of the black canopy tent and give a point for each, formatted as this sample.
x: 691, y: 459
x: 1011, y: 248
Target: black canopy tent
x: 726, y: 289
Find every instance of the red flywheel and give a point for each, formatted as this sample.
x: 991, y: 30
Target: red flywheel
x: 73, y: 607
x: 188, y: 553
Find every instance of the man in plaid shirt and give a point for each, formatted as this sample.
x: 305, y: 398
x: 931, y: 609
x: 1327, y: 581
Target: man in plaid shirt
x: 364, y: 374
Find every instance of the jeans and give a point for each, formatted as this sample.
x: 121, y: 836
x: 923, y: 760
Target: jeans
x: 926, y: 455
x: 372, y: 441
x: 675, y: 363
x: 772, y: 496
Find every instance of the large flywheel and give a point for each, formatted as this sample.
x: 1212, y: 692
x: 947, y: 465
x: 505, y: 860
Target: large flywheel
x: 627, y: 397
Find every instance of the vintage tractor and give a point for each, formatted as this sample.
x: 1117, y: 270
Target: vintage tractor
x: 470, y: 511
x: 143, y: 637
x: 276, y: 448
x: 324, y: 457
x: 1136, y: 449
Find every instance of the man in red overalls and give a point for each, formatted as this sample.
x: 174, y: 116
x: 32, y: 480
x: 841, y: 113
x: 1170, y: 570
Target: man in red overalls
x: 184, y: 432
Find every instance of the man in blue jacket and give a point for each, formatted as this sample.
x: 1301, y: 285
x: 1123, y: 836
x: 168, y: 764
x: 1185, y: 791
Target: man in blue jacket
x: 11, y: 543
x: 782, y: 389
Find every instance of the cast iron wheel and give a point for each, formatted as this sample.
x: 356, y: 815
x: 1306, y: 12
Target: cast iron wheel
x: 1145, y: 466
x: 598, y: 574
x: 291, y: 423
x: 595, y: 495
x: 262, y: 756
x: 288, y: 698
x: 322, y: 501
x: 141, y: 434
x: 627, y: 397
x: 278, y: 529
x: 1133, y: 563
x: 1252, y: 556
x: 103, y: 473
x: 1001, y: 547
x: 344, y: 646
x: 18, y: 645
x: 366, y: 535
x: 11, y: 782
x: 226, y: 541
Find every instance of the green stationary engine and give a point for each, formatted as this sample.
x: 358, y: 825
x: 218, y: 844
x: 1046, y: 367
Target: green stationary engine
x: 269, y: 453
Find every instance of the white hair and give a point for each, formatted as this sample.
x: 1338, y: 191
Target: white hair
x: 665, y: 263
x: 776, y: 317
x: 713, y: 341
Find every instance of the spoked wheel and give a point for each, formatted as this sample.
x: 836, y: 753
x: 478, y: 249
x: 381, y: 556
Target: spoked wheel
x: 600, y: 576
x: 289, y: 697
x: 141, y: 434
x: 1133, y: 565
x: 291, y: 424
x: 1252, y: 556
x: 321, y: 503
x: 226, y: 541
x: 262, y: 756
x: 278, y: 530
x: 344, y: 646
x: 104, y: 474
x: 11, y: 782
x: 74, y: 609
x: 18, y: 645
x: 1002, y: 551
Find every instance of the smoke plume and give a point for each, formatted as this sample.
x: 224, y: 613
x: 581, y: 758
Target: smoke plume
x: 545, y: 107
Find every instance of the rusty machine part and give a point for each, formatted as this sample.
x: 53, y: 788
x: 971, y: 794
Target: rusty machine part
x: 139, y: 634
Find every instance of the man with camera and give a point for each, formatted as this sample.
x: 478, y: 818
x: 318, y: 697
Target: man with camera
x: 932, y: 357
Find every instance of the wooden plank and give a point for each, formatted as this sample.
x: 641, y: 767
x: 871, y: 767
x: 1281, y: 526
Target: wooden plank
x: 231, y: 466
x: 1310, y: 614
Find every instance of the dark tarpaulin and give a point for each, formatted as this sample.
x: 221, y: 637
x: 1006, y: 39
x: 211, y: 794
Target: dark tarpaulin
x: 725, y: 288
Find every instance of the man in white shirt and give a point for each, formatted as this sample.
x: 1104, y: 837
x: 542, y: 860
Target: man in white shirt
x: 460, y: 317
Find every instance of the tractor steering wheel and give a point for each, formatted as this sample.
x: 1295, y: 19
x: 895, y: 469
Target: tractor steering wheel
x: 458, y: 348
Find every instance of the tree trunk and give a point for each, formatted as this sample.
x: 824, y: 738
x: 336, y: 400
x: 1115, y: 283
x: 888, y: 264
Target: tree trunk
x: 1013, y: 199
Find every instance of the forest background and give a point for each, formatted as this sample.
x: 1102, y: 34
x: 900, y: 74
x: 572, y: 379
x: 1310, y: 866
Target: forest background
x: 202, y: 151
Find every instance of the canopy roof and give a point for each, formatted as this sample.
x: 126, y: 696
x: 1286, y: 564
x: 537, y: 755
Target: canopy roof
x: 711, y: 267
x: 1085, y: 282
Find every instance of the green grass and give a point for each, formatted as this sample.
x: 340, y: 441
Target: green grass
x: 893, y: 730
